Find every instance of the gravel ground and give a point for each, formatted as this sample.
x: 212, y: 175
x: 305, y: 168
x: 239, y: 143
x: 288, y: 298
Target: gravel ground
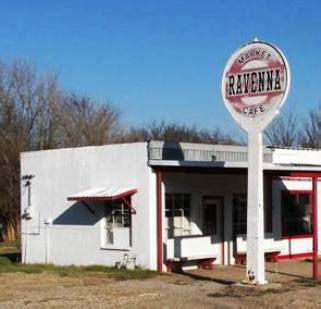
x: 289, y: 287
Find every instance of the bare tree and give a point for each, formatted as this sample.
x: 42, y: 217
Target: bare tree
x: 48, y: 120
x: 311, y: 130
x: 172, y: 132
x: 83, y: 122
x: 9, y: 169
x: 283, y: 131
x: 35, y: 114
x: 24, y: 98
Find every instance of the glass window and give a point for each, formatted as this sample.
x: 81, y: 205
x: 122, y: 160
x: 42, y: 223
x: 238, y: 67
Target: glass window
x: 296, y: 213
x: 177, y: 214
x: 117, y: 216
x: 239, y: 214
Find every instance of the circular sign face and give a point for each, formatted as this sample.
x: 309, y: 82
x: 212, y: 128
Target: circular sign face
x: 255, y: 84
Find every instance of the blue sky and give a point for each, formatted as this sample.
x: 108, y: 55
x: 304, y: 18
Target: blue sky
x: 162, y: 59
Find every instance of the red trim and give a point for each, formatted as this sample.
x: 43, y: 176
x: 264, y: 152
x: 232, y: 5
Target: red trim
x: 223, y: 234
x: 305, y: 174
x: 240, y: 258
x: 315, y: 227
x: 297, y: 236
x: 103, y: 198
x: 159, y: 219
x: 295, y: 256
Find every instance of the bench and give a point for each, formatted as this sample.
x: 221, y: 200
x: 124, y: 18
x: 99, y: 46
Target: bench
x: 203, y: 262
x: 271, y: 251
x: 193, y: 248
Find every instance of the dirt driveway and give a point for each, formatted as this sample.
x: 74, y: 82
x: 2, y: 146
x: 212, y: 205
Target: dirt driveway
x: 198, y: 289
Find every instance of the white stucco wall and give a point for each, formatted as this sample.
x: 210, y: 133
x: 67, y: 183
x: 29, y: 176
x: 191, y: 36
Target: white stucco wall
x: 75, y: 234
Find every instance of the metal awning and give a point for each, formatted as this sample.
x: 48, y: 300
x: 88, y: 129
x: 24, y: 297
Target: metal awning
x: 105, y: 194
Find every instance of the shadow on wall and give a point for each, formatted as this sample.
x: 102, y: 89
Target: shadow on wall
x: 79, y: 213
x: 172, y: 151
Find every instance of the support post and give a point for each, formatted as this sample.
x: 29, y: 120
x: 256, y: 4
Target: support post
x: 255, y: 267
x: 159, y: 218
x: 315, y: 227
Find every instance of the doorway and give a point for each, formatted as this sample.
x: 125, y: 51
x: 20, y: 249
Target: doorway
x: 213, y: 222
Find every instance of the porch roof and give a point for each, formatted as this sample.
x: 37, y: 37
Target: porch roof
x: 103, y: 194
x: 230, y: 157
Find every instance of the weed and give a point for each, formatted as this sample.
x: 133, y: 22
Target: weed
x: 6, y: 265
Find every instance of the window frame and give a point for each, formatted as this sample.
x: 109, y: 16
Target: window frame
x: 296, y: 193
x: 109, y: 211
x: 170, y: 228
x: 234, y: 197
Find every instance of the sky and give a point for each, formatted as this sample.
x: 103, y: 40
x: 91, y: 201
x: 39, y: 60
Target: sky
x: 162, y: 59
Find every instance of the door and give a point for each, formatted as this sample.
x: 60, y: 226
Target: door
x: 213, y: 223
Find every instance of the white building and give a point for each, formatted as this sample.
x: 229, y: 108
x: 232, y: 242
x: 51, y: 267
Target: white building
x: 162, y: 203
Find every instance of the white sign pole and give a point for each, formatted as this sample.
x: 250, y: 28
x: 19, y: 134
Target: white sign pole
x: 255, y: 214
x: 255, y: 84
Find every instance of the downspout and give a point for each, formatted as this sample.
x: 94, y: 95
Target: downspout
x: 47, y: 222
x: 315, y: 227
x: 159, y: 220
x: 24, y: 260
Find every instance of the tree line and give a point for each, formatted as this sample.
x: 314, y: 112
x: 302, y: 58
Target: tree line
x: 36, y: 113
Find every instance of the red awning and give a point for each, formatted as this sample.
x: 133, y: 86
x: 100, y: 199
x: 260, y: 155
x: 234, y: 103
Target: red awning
x: 105, y: 194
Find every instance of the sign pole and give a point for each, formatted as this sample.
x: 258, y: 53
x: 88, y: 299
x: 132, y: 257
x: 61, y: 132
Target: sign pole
x: 255, y: 222
x: 255, y: 84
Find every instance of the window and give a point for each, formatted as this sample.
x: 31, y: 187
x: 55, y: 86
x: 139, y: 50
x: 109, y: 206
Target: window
x: 177, y: 214
x: 239, y: 214
x: 296, y: 213
x: 268, y: 211
x: 117, y: 224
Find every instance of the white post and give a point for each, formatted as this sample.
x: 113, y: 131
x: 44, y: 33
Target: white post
x: 255, y: 267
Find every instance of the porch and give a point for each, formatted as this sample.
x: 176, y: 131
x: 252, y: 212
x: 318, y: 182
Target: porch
x: 201, y: 199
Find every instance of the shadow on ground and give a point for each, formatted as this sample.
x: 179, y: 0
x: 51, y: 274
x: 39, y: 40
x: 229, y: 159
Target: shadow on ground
x: 14, y: 257
x: 206, y: 278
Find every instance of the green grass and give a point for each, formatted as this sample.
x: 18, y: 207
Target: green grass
x: 308, y: 282
x: 10, y: 247
x: 10, y: 252
x: 7, y: 266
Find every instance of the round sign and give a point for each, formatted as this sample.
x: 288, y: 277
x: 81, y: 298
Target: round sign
x: 255, y: 84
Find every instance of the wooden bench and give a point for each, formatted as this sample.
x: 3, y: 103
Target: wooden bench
x: 203, y: 261
x: 271, y: 251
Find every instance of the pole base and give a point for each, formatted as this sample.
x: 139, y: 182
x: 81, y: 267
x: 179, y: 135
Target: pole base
x: 253, y: 282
